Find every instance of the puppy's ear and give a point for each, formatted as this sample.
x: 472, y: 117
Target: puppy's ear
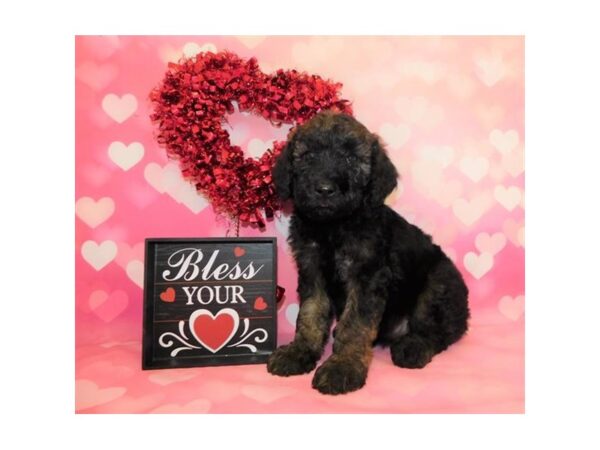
x: 384, y: 177
x: 282, y: 172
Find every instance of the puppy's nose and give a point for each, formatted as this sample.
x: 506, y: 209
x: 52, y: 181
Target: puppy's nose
x: 325, y: 189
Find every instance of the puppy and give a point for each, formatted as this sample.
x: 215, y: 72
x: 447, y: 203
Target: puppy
x: 381, y: 278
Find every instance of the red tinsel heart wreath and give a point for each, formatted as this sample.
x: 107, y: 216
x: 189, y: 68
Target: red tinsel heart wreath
x: 190, y: 107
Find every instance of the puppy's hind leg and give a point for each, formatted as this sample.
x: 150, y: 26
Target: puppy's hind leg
x: 439, y: 319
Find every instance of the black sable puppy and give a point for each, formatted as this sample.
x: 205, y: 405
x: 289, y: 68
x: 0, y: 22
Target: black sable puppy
x: 359, y: 261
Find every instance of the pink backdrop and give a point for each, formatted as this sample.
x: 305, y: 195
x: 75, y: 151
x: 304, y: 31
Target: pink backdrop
x: 451, y: 111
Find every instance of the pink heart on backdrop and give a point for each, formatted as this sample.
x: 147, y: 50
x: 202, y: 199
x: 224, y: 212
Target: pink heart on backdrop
x: 198, y: 406
x: 445, y: 193
x: 490, y: 244
x: 166, y: 377
x: 96, y: 76
x: 445, y: 234
x: 504, y: 142
x: 128, y: 253
x: 101, y: 47
x: 513, y: 229
x: 441, y: 154
x: 469, y: 212
x: 119, y: 108
x: 94, y: 174
x: 266, y: 394
x: 490, y: 69
x: 395, y: 136
x: 512, y: 308
x: 251, y: 41
x: 88, y: 394
x: 419, y: 111
x: 108, y: 306
x: 513, y: 163
x: 490, y: 116
x: 474, y: 167
x: 129, y: 404
x: 94, y: 212
x: 107, y: 370
x: 141, y: 195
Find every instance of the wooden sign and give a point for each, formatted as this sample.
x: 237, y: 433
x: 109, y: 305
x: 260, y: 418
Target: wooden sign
x: 209, y: 302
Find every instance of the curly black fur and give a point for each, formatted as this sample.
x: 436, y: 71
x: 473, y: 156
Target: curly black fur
x: 383, y: 279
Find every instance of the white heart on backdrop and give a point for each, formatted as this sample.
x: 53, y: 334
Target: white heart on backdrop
x: 98, y: 256
x: 512, y: 308
x: 191, y: 49
x: 442, y: 154
x: 94, y: 212
x: 512, y: 230
x: 513, y: 163
x: 474, y: 167
x: 504, y: 141
x: 189, y: 196
x: 88, y: 394
x: 282, y: 224
x: 490, y: 69
x: 508, y: 197
x: 490, y: 244
x: 125, y: 156
x: 478, y: 265
x: 119, y: 108
x: 428, y: 71
x: 419, y: 111
x: 135, y: 272
x: 469, y: 212
x: 153, y: 173
x: 168, y: 179
x: 251, y: 41
x: 461, y: 86
x: 257, y: 147
x: 291, y: 313
x: 394, y: 135
x: 96, y: 76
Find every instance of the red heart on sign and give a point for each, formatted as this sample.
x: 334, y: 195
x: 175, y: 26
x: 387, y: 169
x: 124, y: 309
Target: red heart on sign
x: 260, y: 304
x: 168, y: 295
x: 239, y: 251
x: 214, y: 331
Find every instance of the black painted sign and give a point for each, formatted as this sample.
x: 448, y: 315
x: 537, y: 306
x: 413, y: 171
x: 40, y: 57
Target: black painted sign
x: 209, y: 302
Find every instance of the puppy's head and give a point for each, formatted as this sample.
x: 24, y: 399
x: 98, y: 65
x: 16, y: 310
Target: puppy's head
x: 332, y: 166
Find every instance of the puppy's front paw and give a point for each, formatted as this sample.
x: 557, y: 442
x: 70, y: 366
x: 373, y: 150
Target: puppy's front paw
x: 291, y: 360
x: 338, y: 376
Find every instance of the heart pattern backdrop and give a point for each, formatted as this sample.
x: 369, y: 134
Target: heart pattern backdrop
x: 451, y: 112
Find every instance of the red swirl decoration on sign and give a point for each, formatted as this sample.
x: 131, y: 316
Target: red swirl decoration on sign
x: 191, y: 105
